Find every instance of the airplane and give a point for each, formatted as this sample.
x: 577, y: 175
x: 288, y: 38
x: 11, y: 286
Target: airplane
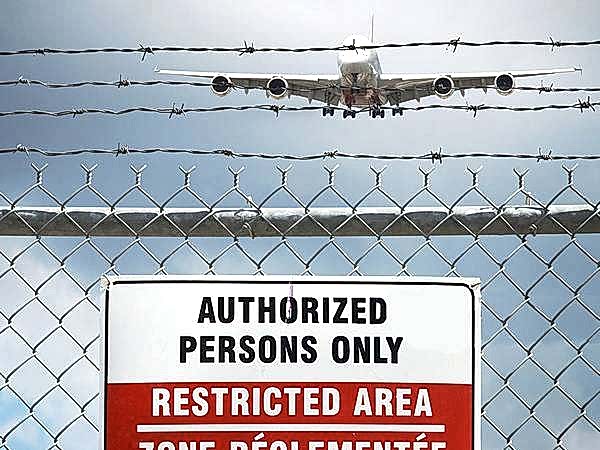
x: 361, y: 83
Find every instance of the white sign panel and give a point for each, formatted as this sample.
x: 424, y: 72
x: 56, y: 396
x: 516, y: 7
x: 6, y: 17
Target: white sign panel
x: 291, y: 363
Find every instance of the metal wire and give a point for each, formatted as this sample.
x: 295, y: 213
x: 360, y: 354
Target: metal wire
x: 433, y: 155
x: 540, y: 327
x: 175, y: 110
x: 249, y: 48
x: 124, y: 82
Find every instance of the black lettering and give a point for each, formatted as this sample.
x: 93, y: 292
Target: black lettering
x: 205, y: 348
x: 245, y: 301
x: 246, y: 343
x: 345, y: 350
x: 206, y: 311
x: 310, y: 354
x: 289, y: 350
x: 377, y: 310
x: 358, y: 308
x: 394, y: 344
x: 288, y: 309
x: 337, y: 317
x: 187, y: 344
x: 362, y: 349
x: 267, y: 349
x: 264, y: 309
x: 325, y: 309
x: 226, y: 317
x: 378, y: 359
x: 309, y: 307
x: 226, y: 346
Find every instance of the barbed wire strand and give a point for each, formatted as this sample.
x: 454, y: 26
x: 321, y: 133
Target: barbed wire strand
x: 581, y: 105
x: 124, y: 82
x: 433, y: 155
x: 248, y: 49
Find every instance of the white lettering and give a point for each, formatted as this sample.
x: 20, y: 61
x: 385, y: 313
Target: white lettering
x: 179, y: 401
x: 423, y: 405
x: 239, y: 400
x: 331, y: 402
x: 383, y: 400
x: 402, y: 401
x: 311, y: 399
x: 363, y: 403
x: 160, y: 402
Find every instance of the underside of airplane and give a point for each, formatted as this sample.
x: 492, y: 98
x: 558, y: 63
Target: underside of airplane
x: 360, y: 83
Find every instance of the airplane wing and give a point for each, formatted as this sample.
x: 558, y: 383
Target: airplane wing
x: 417, y: 86
x: 311, y: 87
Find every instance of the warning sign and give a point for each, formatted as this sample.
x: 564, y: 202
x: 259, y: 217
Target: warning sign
x: 291, y: 363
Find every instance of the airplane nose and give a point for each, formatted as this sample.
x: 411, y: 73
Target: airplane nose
x: 350, y: 67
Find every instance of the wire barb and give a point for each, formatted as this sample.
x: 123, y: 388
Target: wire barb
x: 225, y: 152
x: 146, y: 50
x: 543, y: 88
x: 177, y: 111
x: 122, y: 149
x: 555, y: 44
x: 544, y: 156
x: 123, y: 82
x: 453, y: 44
x: 586, y: 104
x: 22, y: 80
x: 276, y: 109
x: 436, y: 156
x: 247, y: 49
x: 474, y: 108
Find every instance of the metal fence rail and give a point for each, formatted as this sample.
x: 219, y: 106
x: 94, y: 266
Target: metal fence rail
x: 538, y: 258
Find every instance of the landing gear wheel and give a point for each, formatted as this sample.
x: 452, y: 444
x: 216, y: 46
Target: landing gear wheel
x: 376, y: 111
x: 328, y: 110
x: 349, y: 113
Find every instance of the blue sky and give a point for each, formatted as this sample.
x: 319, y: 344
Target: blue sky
x: 33, y: 24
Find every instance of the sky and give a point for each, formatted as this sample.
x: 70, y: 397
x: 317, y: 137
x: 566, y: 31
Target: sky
x: 62, y: 24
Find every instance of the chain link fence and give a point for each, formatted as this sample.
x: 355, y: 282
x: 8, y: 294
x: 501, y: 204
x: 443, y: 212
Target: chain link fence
x: 537, y: 254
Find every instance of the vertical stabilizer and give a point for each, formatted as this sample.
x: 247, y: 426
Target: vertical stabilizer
x: 372, y: 34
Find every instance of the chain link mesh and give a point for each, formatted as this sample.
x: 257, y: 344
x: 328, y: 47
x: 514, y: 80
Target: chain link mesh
x: 541, y: 307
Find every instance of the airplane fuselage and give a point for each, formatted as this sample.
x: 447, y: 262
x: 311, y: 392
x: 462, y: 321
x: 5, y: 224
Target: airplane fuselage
x: 359, y: 74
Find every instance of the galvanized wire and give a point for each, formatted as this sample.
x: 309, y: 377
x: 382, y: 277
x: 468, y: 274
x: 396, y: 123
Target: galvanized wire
x: 541, y: 323
x: 433, y: 155
x: 250, y: 48
x: 177, y: 110
x: 124, y: 82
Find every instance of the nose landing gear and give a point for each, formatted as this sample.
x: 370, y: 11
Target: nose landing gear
x: 349, y: 113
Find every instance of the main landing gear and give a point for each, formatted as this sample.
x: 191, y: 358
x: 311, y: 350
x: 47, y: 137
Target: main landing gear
x: 328, y: 110
x: 376, y: 111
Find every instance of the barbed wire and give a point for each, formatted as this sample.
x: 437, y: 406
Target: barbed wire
x: 432, y: 155
x: 250, y: 48
x: 581, y: 105
x: 124, y: 82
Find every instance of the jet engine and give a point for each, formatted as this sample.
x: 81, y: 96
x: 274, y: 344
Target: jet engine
x: 504, y: 83
x: 443, y: 86
x: 221, y: 85
x: 277, y: 87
